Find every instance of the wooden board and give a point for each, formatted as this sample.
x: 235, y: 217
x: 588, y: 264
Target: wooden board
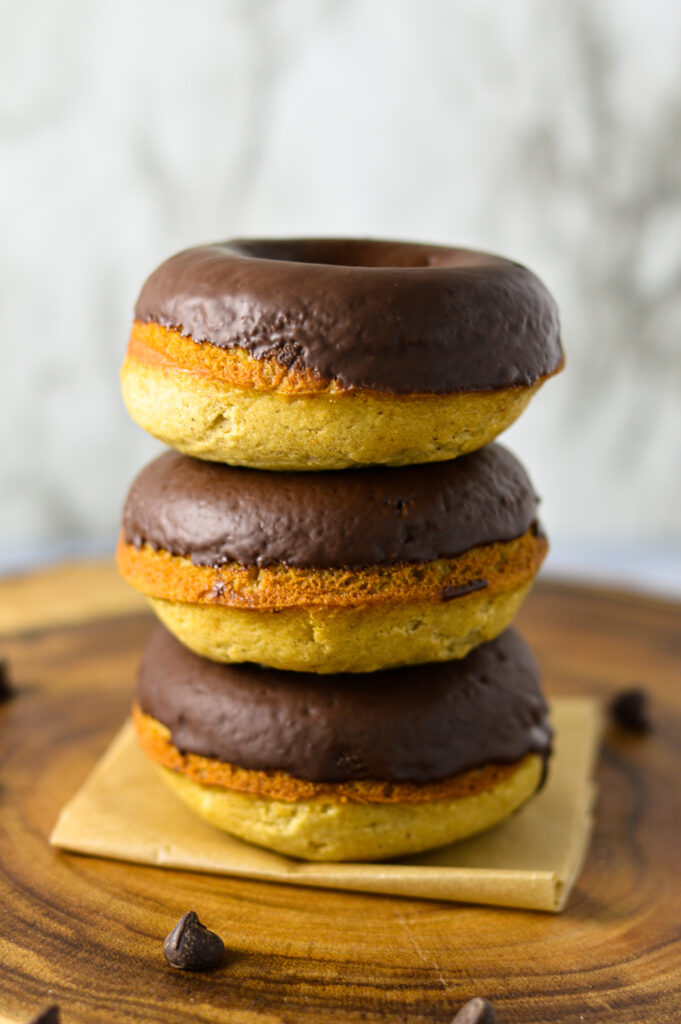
x: 87, y: 933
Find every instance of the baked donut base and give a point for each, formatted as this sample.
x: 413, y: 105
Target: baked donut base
x: 227, y: 406
x: 359, y: 639
x: 331, y: 826
x: 337, y: 620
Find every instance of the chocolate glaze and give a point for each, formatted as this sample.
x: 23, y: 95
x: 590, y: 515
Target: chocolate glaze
x: 214, y: 513
x: 420, y: 724
x: 390, y: 316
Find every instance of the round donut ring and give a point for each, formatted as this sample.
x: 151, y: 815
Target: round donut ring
x: 323, y: 354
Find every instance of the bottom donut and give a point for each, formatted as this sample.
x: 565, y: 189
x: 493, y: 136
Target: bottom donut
x: 359, y: 768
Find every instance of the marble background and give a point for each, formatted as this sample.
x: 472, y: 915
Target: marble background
x: 548, y: 132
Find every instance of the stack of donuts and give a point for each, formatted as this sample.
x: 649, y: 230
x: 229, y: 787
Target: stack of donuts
x: 335, y: 547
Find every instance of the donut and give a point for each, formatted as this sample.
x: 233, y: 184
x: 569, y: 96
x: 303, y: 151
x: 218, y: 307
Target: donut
x: 333, y: 572
x: 405, y: 760
x: 303, y: 354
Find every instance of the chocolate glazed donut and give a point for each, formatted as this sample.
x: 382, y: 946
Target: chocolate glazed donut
x: 333, y: 572
x: 312, y: 354
x: 352, y: 770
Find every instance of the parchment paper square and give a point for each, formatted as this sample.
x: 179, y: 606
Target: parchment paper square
x: 532, y: 860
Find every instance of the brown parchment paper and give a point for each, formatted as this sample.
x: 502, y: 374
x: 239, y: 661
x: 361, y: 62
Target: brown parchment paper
x: 532, y: 860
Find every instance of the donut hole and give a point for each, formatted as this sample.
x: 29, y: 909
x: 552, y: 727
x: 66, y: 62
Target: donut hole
x: 357, y: 252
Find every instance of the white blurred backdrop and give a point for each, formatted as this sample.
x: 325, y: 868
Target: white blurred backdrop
x: 550, y: 133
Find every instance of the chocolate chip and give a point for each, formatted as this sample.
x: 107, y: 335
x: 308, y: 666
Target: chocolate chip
x: 191, y: 946
x: 630, y: 710
x: 449, y: 593
x: 476, y: 1011
x: 48, y: 1016
x: 6, y: 690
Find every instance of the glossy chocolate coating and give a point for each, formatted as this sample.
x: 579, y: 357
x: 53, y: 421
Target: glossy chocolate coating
x: 419, y: 724
x: 395, y: 317
x: 215, y: 514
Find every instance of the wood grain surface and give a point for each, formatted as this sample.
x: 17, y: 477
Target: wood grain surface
x: 87, y: 933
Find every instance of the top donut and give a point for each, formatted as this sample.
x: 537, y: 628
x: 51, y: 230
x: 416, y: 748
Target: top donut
x: 328, y: 353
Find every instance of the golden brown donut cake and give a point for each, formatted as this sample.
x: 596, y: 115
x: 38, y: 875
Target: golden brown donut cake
x: 357, y: 769
x: 333, y: 572
x: 306, y: 354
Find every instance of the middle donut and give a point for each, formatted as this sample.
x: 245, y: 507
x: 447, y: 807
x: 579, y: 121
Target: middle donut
x: 333, y: 572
